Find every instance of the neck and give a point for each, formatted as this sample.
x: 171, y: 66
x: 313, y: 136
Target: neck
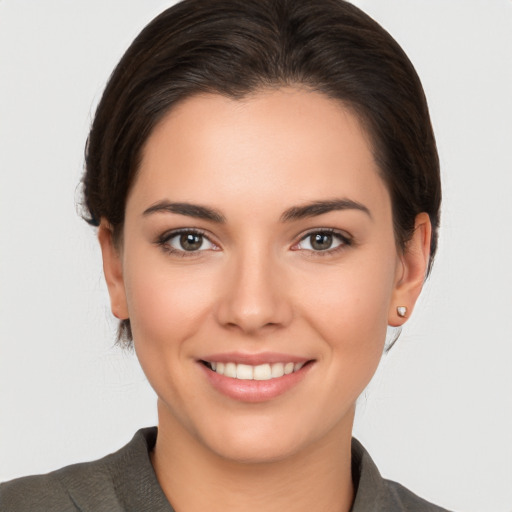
x: 195, y: 478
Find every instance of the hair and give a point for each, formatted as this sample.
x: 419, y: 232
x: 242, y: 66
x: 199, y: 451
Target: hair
x: 238, y: 47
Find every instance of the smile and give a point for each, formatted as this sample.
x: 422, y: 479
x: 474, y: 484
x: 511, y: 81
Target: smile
x: 249, y: 372
x: 253, y: 378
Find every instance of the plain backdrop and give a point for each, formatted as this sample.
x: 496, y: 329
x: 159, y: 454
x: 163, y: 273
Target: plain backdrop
x: 438, y: 415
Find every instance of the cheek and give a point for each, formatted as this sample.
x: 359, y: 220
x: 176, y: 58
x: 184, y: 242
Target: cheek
x: 349, y: 304
x: 167, y: 308
x: 351, y: 317
x: 166, y: 304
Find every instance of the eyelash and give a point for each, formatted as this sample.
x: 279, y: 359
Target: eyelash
x: 164, y: 239
x: 346, y: 241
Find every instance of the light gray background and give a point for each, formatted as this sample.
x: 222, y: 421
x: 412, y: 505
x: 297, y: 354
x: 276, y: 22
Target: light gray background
x: 437, y: 416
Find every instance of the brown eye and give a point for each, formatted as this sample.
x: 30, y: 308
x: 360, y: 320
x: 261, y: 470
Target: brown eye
x: 321, y: 241
x: 186, y: 242
x: 191, y: 241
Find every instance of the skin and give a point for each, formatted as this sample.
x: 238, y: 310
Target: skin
x: 258, y: 285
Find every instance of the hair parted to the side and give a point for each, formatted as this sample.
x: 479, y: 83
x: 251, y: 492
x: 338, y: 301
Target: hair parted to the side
x: 237, y: 47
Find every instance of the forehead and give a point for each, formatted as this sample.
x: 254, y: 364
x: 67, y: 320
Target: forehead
x: 284, y: 145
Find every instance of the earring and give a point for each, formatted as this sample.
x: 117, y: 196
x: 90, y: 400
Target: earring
x: 401, y: 311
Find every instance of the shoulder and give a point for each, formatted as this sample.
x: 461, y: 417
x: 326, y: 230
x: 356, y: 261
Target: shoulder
x: 41, y: 492
x: 376, y: 494
x: 60, y: 490
x: 63, y: 490
x: 100, y: 485
x: 405, y: 500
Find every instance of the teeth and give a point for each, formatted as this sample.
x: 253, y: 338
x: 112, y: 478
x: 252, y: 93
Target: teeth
x: 244, y: 372
x: 260, y: 372
x: 277, y: 370
x: 230, y: 370
x: 288, y: 368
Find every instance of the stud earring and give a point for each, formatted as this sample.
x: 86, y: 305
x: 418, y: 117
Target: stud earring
x: 401, y: 311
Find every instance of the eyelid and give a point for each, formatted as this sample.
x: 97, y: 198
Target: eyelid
x: 346, y: 239
x: 163, y: 240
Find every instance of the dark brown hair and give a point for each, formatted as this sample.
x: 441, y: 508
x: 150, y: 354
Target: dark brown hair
x: 236, y: 47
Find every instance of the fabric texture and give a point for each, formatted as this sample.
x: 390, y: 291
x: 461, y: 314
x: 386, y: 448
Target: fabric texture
x: 124, y: 481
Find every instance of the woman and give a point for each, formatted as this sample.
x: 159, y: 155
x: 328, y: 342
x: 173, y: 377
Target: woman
x: 265, y: 182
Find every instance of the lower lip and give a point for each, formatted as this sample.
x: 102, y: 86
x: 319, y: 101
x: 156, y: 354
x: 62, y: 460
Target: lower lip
x: 254, y: 390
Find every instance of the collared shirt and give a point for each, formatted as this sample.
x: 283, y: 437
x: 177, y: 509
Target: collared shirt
x: 125, y: 481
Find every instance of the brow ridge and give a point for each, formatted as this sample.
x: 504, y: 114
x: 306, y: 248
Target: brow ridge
x: 320, y: 207
x: 294, y: 213
x: 188, y: 209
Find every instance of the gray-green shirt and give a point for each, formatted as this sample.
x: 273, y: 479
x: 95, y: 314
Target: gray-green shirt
x: 124, y: 481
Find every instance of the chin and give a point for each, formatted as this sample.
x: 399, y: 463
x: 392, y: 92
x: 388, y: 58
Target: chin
x: 261, y: 439
x: 246, y: 449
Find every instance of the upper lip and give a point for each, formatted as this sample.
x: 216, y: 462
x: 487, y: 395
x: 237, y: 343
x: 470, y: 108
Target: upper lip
x: 254, y: 359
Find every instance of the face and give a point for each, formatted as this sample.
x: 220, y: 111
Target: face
x: 259, y: 271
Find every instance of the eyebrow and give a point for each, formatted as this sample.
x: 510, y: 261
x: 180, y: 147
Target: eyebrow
x: 190, y: 210
x: 291, y: 214
x: 320, y: 207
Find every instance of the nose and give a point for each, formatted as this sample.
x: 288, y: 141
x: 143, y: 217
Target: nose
x: 254, y: 294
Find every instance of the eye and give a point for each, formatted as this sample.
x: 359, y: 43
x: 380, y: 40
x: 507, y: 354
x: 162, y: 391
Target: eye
x: 322, y: 241
x: 186, y: 241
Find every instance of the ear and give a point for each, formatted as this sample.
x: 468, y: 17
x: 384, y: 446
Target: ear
x: 411, y: 271
x: 113, y: 270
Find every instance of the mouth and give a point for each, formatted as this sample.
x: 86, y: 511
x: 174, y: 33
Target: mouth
x: 254, y: 378
x: 260, y: 372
